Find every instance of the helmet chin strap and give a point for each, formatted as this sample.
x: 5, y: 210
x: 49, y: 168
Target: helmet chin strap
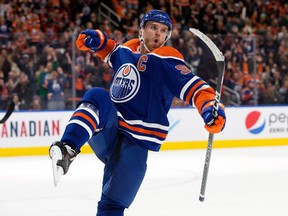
x: 142, y: 41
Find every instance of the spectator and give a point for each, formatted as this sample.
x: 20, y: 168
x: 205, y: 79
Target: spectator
x: 4, y: 94
x: 17, y: 102
x: 247, y: 94
x: 24, y: 91
x: 56, y: 100
x: 5, y: 61
x: 5, y: 30
x: 271, y: 95
x: 286, y: 95
x: 42, y: 86
x: 118, y: 37
x: 13, y: 80
x: 120, y: 8
x: 41, y: 31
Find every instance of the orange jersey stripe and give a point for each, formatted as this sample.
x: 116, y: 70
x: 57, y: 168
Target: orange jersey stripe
x: 86, y: 117
x: 141, y: 130
x: 192, y: 90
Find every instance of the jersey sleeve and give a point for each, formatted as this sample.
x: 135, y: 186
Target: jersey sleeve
x: 111, y: 46
x: 103, y: 54
x: 181, y: 81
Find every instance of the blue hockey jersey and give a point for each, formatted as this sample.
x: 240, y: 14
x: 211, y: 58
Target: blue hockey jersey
x: 144, y: 86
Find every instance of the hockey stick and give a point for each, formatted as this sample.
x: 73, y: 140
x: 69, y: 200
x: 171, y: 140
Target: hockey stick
x: 220, y: 61
x: 8, y: 112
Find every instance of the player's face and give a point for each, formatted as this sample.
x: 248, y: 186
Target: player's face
x: 154, y: 34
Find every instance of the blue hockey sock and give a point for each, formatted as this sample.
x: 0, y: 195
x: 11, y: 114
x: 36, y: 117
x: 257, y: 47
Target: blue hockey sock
x: 81, y: 126
x: 109, y: 207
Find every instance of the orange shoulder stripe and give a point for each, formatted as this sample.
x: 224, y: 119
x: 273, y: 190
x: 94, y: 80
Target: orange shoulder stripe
x: 168, y: 51
x: 133, y: 44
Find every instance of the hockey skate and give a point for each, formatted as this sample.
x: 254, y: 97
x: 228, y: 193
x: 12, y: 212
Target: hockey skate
x: 62, y: 156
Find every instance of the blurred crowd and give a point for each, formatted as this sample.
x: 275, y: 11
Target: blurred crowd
x: 37, y: 36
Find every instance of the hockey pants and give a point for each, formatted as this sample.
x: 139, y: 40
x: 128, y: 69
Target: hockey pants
x: 125, y: 161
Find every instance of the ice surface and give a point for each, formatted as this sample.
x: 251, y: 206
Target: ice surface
x: 241, y: 182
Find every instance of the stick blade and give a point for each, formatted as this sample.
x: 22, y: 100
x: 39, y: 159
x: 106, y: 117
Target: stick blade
x: 58, y: 171
x: 218, y: 55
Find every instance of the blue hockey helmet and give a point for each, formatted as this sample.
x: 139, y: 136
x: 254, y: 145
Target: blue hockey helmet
x: 157, y: 16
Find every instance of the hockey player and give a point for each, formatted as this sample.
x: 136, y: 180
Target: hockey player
x: 122, y: 125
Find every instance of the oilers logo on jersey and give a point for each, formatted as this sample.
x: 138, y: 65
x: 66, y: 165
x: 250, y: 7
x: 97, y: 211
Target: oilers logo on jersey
x: 125, y: 84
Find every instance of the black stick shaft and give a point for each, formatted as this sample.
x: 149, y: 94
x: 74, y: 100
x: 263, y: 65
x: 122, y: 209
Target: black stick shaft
x: 8, y: 113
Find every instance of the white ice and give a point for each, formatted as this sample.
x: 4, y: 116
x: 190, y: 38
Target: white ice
x: 241, y: 182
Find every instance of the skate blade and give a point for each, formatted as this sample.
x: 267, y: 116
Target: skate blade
x: 57, y: 170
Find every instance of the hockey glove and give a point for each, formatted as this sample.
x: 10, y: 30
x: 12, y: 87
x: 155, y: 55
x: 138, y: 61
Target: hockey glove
x: 213, y: 124
x: 94, y: 40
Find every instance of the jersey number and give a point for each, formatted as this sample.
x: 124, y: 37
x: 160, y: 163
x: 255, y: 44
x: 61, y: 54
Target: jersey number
x: 183, y: 69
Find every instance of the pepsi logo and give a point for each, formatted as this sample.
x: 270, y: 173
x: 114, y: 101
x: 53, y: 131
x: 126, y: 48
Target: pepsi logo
x: 255, y: 122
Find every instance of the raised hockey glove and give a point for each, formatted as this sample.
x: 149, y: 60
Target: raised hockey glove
x: 94, y: 40
x: 68, y: 155
x: 213, y: 124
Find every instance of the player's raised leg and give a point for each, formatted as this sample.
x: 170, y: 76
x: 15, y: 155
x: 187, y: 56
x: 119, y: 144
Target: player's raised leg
x: 90, y: 117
